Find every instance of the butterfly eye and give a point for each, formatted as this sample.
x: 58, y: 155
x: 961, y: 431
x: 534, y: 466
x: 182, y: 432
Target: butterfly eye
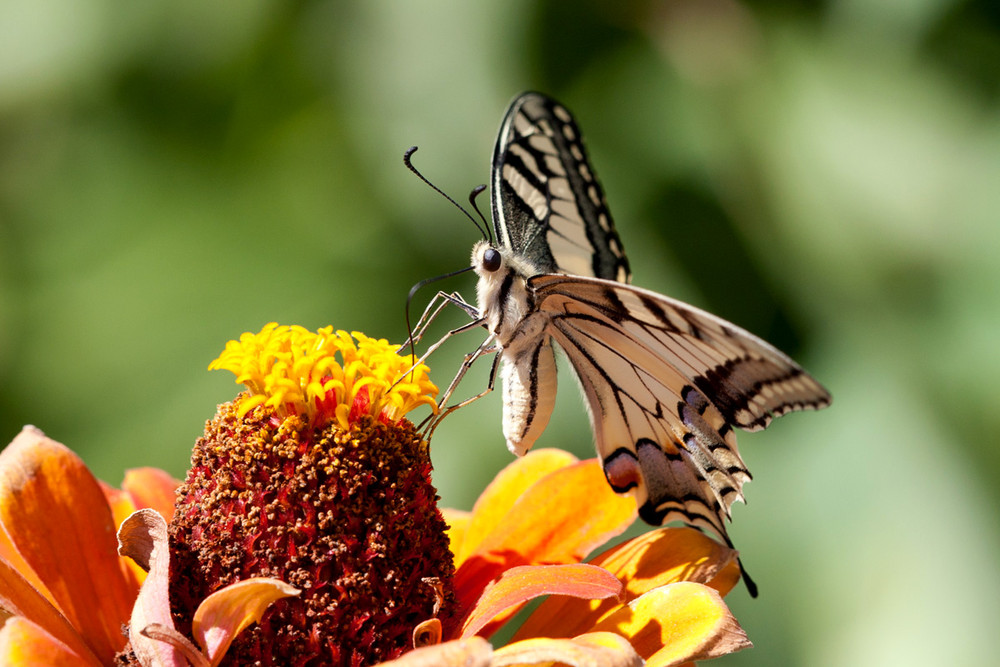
x: 491, y: 260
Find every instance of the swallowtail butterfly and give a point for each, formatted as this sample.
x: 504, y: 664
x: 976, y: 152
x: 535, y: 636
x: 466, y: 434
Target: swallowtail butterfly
x: 664, y: 382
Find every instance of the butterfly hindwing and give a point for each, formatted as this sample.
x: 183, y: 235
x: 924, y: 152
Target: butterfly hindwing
x: 548, y: 206
x: 644, y: 362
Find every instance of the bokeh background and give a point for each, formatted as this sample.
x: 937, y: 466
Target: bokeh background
x: 825, y: 174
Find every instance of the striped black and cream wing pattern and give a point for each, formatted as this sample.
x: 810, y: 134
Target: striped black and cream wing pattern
x: 547, y: 203
x: 665, y: 383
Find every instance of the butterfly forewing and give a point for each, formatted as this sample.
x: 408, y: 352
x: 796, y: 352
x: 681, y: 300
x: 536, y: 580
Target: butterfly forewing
x: 547, y: 204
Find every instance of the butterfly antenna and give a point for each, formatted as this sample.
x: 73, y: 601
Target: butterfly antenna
x: 476, y: 191
x: 407, y: 160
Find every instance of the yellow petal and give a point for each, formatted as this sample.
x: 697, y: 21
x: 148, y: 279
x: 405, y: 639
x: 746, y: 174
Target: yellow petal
x: 225, y: 613
x: 56, y: 515
x: 506, y: 489
x: 25, y: 644
x: 602, y: 648
x: 458, y: 524
x: 656, y: 558
x: 20, y: 599
x: 677, y: 623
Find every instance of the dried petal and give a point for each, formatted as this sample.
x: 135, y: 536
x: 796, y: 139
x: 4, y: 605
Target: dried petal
x: 143, y: 537
x: 469, y: 652
x: 225, y: 613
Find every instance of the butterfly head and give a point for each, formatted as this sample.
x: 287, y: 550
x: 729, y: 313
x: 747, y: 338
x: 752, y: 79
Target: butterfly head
x: 502, y: 290
x: 493, y: 263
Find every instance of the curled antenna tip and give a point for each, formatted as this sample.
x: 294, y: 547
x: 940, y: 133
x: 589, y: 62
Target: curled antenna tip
x: 409, y: 165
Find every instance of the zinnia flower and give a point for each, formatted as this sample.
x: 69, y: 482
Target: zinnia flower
x: 307, y: 533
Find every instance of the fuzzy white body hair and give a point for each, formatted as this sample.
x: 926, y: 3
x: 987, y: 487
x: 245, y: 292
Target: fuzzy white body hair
x: 529, y: 364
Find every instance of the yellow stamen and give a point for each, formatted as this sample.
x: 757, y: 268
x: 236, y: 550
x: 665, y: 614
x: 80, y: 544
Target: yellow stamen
x: 295, y: 371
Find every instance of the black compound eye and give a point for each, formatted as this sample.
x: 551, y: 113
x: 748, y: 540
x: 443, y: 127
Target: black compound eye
x: 492, y: 260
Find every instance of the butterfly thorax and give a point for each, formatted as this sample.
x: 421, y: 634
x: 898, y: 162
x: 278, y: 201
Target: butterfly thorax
x: 504, y: 298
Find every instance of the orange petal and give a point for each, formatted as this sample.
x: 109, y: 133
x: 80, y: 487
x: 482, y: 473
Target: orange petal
x: 58, y: 519
x: 143, y: 538
x: 559, y: 519
x: 505, y: 490
x: 521, y: 584
x: 659, y: 557
x: 458, y: 524
x: 599, y: 648
x: 152, y: 488
x: 25, y: 643
x: 122, y: 507
x: 226, y: 612
x: 677, y: 623
x: 20, y: 599
x: 9, y: 553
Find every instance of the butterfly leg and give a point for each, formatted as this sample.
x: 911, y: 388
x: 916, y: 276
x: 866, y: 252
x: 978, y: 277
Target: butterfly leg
x: 440, y: 301
x: 488, y: 347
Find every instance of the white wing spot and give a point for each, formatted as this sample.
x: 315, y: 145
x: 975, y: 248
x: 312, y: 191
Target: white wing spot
x: 561, y: 113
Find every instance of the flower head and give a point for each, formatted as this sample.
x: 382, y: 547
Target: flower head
x: 315, y: 478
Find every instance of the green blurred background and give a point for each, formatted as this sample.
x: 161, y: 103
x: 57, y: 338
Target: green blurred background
x: 825, y: 174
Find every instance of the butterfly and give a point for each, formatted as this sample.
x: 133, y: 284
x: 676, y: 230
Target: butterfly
x: 664, y: 382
